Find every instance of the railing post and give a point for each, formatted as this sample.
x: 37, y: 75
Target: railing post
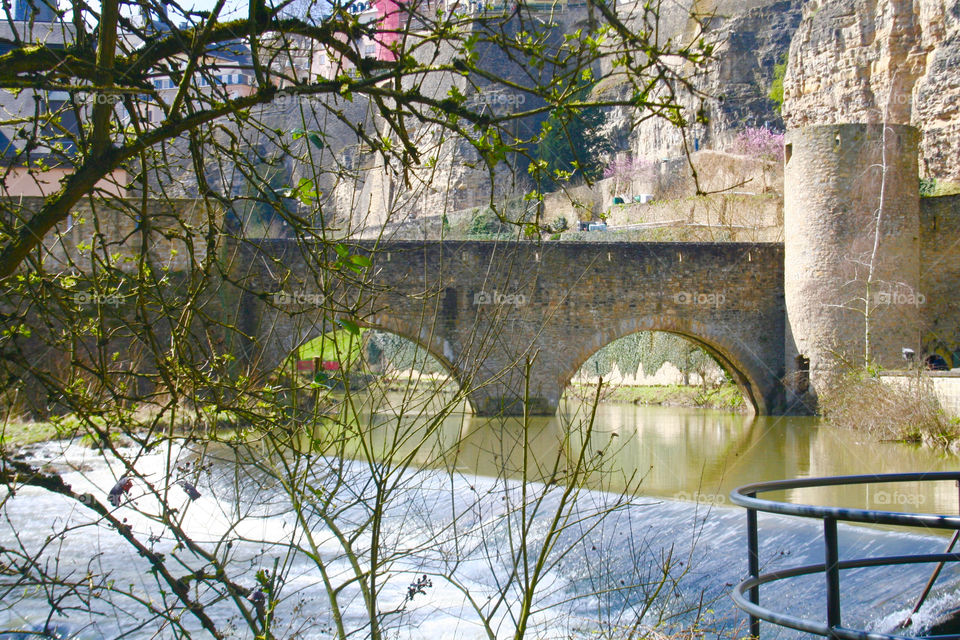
x: 753, y: 562
x: 832, y: 566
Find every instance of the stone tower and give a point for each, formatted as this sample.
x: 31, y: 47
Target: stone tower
x: 852, y: 261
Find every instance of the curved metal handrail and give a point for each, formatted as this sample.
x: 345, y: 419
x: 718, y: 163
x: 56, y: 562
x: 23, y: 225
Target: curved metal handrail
x: 746, y: 594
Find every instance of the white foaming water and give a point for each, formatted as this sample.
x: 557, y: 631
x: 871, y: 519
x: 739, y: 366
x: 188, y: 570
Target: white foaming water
x: 456, y: 526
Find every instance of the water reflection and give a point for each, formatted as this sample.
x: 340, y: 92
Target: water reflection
x: 686, y: 454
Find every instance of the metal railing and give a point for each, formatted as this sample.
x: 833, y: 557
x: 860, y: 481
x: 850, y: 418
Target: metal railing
x: 746, y: 595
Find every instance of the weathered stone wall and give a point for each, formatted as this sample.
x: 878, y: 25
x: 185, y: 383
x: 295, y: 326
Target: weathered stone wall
x: 176, y: 230
x: 945, y: 386
x: 940, y: 272
x: 876, y: 60
x: 835, y: 188
x: 484, y: 308
x: 667, y: 374
x: 380, y: 194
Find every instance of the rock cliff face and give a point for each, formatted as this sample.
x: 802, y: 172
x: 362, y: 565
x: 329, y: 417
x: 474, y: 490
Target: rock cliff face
x: 752, y: 37
x: 876, y: 60
x: 453, y: 175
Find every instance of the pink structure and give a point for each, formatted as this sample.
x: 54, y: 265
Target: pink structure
x: 390, y: 19
x: 389, y: 27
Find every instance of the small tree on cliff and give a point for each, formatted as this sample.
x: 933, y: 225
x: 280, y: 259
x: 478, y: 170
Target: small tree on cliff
x: 239, y: 496
x: 760, y: 142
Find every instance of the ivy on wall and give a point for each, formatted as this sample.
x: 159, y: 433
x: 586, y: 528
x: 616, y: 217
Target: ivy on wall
x: 652, y: 349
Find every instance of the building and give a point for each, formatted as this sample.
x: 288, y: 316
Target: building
x: 329, y: 63
x: 225, y: 72
x: 36, y: 152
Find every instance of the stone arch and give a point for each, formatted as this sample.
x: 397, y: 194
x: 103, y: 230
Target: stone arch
x: 431, y: 342
x: 281, y: 334
x: 755, y: 378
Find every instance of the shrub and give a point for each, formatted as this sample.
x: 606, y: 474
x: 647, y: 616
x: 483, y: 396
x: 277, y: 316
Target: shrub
x: 776, y: 86
x: 909, y: 412
x: 486, y: 224
x: 571, y: 145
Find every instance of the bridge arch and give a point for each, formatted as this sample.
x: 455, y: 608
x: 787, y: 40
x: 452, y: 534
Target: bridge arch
x: 751, y: 375
x: 282, y: 335
x: 430, y: 341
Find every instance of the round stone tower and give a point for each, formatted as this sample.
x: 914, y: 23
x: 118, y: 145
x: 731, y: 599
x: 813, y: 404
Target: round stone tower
x: 851, y: 251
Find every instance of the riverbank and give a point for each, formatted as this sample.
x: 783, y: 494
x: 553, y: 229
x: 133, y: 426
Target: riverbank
x: 21, y: 434
x: 896, y: 408
x: 725, y: 397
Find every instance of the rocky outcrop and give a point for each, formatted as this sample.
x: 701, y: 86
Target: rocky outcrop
x: 377, y: 194
x: 751, y: 38
x: 881, y: 60
x: 752, y: 42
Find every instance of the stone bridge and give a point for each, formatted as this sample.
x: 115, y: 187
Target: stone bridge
x: 486, y: 309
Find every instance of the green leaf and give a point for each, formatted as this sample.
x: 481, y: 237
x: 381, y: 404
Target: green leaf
x: 349, y: 325
x: 341, y: 251
x: 313, y: 136
x: 455, y: 94
x: 304, y: 191
x: 363, y: 261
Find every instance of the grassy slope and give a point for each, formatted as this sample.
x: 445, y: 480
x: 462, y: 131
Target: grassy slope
x: 18, y: 434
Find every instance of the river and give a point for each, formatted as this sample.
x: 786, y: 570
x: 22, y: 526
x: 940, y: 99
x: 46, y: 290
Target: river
x: 676, y: 467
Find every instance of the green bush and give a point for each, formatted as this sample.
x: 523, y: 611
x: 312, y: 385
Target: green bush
x: 570, y: 145
x: 652, y: 349
x: 399, y: 353
x: 484, y: 224
x: 776, y: 86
